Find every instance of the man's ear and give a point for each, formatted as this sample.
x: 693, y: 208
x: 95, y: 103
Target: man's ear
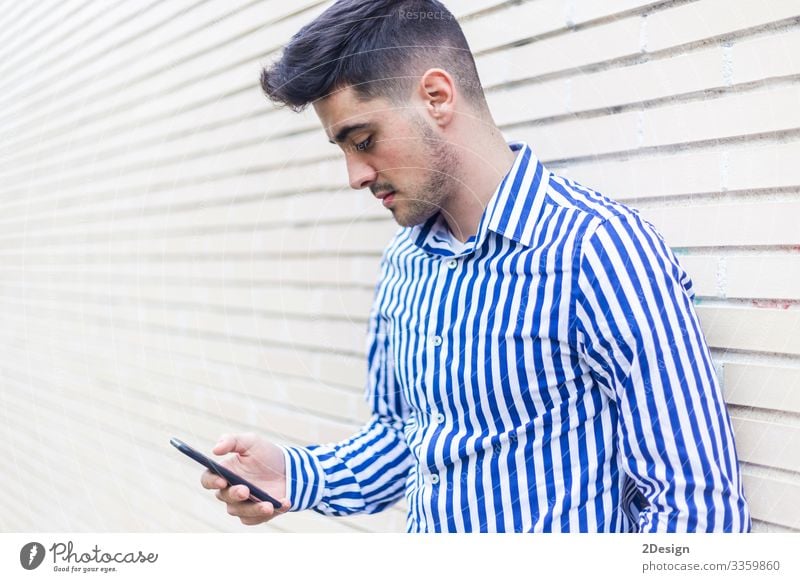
x: 438, y: 93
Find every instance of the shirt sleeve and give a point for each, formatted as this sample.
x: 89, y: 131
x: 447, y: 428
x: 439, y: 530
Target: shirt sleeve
x: 640, y: 335
x: 366, y: 472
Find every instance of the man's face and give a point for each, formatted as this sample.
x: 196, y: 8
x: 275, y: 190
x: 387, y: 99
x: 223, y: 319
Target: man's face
x: 392, y: 149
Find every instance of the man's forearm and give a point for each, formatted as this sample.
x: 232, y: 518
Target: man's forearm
x: 363, y: 474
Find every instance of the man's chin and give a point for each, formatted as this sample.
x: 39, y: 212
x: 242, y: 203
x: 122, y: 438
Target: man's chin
x: 408, y: 221
x: 403, y: 223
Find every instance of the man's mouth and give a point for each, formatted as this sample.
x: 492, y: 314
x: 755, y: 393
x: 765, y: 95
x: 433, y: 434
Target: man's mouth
x: 387, y: 197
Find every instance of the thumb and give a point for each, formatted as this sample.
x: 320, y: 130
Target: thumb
x: 234, y: 443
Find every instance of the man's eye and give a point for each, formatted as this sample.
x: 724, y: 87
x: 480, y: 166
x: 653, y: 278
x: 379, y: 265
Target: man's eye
x: 364, y: 144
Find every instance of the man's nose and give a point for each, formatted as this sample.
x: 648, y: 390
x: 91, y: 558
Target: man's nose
x: 360, y: 173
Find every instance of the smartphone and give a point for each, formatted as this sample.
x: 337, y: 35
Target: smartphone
x: 232, y: 478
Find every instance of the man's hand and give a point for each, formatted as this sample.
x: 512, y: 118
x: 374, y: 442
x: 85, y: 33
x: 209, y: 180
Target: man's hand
x: 258, y: 461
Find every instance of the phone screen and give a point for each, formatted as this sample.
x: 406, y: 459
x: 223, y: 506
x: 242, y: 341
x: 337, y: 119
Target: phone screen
x: 256, y: 494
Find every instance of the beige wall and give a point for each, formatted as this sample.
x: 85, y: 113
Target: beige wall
x: 179, y: 258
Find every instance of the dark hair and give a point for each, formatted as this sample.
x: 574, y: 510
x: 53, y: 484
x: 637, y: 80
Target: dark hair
x: 379, y: 47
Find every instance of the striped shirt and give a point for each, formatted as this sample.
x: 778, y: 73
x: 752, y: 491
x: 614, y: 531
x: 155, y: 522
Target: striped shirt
x: 518, y: 380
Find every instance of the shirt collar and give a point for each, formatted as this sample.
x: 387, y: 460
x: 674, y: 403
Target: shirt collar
x: 512, y: 210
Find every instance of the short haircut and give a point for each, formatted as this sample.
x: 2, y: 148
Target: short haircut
x: 380, y: 48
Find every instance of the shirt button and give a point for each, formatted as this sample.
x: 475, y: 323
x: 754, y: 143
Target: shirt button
x: 434, y: 479
x: 437, y: 340
x: 440, y: 418
x: 452, y: 264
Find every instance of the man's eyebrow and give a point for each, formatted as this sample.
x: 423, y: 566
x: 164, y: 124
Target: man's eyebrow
x: 347, y: 130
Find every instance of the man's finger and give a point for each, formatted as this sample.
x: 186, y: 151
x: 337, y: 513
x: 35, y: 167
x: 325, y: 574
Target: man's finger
x: 211, y: 480
x: 240, y: 492
x: 234, y: 443
x: 233, y: 495
x: 250, y: 510
x: 263, y: 513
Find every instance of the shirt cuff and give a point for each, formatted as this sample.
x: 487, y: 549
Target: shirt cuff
x: 305, y: 478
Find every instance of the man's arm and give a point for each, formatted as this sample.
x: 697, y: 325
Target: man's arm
x: 640, y: 335
x: 366, y: 472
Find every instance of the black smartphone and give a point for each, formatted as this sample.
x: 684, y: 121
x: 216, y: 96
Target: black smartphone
x: 232, y: 478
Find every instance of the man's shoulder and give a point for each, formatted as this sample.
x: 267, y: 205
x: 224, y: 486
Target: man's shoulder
x: 598, y: 213
x: 610, y: 227
x: 592, y: 206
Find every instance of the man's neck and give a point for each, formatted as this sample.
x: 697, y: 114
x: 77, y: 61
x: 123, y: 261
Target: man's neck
x: 483, y: 171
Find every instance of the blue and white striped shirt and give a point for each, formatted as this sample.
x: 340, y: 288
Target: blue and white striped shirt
x: 516, y: 379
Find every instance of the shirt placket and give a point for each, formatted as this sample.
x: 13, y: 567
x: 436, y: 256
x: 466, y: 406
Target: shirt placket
x: 436, y: 346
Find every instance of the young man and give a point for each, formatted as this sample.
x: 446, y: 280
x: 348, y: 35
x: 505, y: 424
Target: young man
x: 534, y: 357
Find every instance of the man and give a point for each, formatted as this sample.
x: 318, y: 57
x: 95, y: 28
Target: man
x: 534, y: 357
